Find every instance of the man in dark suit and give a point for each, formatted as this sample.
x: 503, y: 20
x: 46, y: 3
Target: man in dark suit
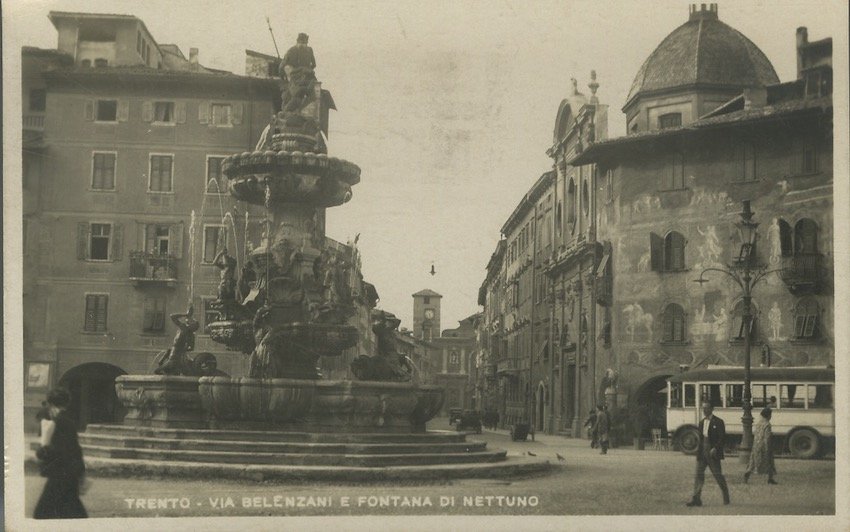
x: 712, y: 435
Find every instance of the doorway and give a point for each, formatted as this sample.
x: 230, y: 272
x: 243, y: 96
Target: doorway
x: 93, y: 397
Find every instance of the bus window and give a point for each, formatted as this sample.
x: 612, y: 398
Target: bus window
x: 791, y: 396
x: 690, y: 395
x: 820, y: 396
x: 675, y: 395
x: 710, y: 394
x: 734, y: 395
x: 762, y: 394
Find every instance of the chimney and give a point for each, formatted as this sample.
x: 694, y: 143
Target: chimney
x: 193, y: 58
x: 802, y: 41
x: 755, y: 97
x: 704, y: 12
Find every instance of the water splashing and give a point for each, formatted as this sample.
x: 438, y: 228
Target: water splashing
x: 192, y: 256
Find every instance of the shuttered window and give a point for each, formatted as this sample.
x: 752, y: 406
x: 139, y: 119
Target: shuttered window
x: 806, y: 319
x: 220, y: 114
x: 107, y: 111
x: 103, y: 171
x: 96, y: 312
x: 99, y: 236
x: 674, y: 323
x: 161, y: 173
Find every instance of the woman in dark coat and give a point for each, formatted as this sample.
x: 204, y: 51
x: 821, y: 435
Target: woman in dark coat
x: 61, y: 461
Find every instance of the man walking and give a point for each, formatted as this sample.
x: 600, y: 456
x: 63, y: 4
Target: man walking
x: 603, y: 425
x: 712, y: 434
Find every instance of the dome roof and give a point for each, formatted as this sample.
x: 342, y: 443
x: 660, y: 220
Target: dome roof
x: 703, y: 51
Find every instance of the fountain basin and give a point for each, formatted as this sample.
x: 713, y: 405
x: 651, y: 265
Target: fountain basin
x: 317, y: 405
x: 160, y: 401
x: 236, y: 403
x: 290, y: 176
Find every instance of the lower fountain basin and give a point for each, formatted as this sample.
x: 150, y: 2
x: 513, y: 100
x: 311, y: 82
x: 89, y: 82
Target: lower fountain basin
x: 278, y: 404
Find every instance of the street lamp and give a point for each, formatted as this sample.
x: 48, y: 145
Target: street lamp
x: 746, y: 274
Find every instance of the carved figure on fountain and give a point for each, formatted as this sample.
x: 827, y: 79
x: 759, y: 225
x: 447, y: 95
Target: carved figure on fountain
x: 175, y: 359
x: 227, y: 285
x: 388, y: 364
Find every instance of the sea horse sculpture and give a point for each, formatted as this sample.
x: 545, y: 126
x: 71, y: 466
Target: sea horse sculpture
x: 388, y: 364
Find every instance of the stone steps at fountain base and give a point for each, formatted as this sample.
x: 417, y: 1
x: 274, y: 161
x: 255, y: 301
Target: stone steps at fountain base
x: 274, y: 436
x: 512, y: 467
x: 301, y: 459
x: 253, y: 447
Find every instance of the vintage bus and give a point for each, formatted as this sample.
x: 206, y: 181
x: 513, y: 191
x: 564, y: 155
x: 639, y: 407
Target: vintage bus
x: 803, y: 420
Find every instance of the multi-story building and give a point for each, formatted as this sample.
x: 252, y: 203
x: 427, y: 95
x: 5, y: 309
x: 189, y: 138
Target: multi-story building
x: 599, y: 303
x: 566, y: 381
x: 491, y: 339
x: 452, y: 358
x: 671, y: 194
x: 527, y: 233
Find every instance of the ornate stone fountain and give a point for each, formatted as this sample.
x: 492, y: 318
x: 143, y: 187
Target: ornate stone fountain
x: 291, y: 307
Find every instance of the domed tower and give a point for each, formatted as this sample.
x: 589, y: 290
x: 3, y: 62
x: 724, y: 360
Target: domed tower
x: 702, y: 64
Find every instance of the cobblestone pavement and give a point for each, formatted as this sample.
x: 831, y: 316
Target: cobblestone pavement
x: 623, y: 482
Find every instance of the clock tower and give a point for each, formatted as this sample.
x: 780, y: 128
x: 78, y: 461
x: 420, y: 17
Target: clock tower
x: 426, y: 314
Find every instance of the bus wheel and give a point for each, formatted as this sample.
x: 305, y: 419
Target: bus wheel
x: 688, y: 440
x: 804, y: 443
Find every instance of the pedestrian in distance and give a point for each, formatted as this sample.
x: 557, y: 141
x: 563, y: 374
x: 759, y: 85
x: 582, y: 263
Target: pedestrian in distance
x: 602, y: 427
x: 712, y: 436
x: 761, y: 456
x: 590, y: 423
x: 60, y: 459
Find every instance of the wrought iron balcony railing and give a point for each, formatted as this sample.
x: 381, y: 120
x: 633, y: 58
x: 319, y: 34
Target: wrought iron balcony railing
x: 803, y: 272
x: 148, y: 267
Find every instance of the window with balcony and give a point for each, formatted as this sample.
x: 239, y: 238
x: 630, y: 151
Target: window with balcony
x: 103, y: 170
x: 674, y: 324
x: 96, y: 313
x: 160, y: 173
x: 215, y: 240
x: 215, y: 178
x: 106, y: 111
x: 154, y: 315
x: 801, y: 266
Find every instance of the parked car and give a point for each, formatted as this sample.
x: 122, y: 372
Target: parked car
x: 469, y: 420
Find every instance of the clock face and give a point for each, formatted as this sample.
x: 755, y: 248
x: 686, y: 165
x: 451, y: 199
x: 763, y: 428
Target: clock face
x: 429, y: 314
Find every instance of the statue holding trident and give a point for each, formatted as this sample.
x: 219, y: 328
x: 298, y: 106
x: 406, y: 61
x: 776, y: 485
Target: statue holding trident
x: 296, y: 72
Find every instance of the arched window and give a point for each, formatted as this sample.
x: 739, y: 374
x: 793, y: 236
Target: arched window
x: 674, y: 251
x: 738, y: 324
x: 786, y: 239
x: 571, y: 202
x: 805, y: 237
x: 674, y: 324
x: 806, y: 314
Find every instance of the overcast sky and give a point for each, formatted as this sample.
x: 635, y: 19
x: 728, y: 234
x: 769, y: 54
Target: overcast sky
x: 448, y: 107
